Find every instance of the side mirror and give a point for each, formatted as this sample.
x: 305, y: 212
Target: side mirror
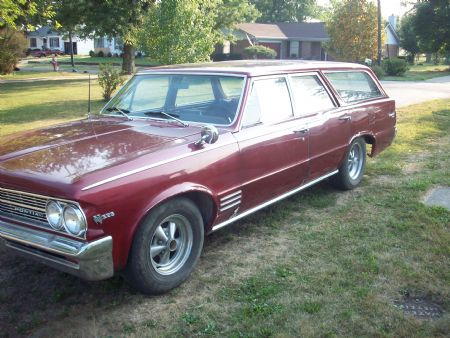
x: 209, y: 135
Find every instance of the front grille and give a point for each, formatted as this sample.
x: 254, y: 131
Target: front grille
x: 23, y: 206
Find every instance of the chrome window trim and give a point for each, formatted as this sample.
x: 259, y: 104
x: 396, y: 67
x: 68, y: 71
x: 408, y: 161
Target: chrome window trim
x: 324, y: 85
x: 238, y: 108
x: 262, y: 78
x: 24, y: 220
x: 269, y: 202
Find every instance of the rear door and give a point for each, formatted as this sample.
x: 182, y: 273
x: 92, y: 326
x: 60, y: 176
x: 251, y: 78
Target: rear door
x: 329, y: 126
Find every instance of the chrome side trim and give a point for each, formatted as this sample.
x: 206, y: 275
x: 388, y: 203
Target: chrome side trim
x: 274, y: 200
x: 87, y: 260
x: 153, y: 165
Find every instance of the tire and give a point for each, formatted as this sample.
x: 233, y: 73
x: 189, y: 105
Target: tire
x: 166, y: 247
x: 351, y: 170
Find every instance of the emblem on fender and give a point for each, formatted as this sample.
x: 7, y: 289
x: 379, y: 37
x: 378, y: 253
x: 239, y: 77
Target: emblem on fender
x: 99, y: 218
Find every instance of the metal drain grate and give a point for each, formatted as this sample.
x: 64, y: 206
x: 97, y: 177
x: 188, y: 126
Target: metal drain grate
x: 419, y: 308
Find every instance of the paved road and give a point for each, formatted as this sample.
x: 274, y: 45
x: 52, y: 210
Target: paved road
x: 406, y: 93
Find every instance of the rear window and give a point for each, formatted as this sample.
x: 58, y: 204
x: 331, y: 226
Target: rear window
x: 354, y: 86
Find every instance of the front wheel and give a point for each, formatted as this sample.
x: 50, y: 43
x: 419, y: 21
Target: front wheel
x: 352, y: 168
x: 166, y: 247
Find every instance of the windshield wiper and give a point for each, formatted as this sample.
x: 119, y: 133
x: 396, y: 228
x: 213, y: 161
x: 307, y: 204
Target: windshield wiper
x: 123, y: 112
x: 171, y: 116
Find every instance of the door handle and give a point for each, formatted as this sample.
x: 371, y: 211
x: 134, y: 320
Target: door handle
x: 301, y: 131
x: 392, y: 115
x: 345, y: 118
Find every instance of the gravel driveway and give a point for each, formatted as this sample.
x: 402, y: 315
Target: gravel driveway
x: 406, y: 93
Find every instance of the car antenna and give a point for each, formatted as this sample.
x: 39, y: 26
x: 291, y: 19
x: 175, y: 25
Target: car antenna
x: 89, y: 97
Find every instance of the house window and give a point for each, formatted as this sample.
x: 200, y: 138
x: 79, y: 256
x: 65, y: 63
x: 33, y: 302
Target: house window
x: 99, y: 43
x: 54, y: 42
x: 293, y: 50
x: 33, y: 43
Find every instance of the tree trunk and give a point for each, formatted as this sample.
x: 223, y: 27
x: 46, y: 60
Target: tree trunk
x: 71, y: 49
x: 128, y: 66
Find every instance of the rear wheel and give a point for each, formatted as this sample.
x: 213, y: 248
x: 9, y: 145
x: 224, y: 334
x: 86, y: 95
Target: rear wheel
x: 352, y: 168
x: 166, y: 247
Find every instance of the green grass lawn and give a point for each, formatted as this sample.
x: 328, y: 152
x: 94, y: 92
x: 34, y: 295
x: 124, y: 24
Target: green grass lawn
x: 324, y: 263
x: 80, y: 59
x: 29, y: 74
x: 36, y: 104
x: 421, y: 72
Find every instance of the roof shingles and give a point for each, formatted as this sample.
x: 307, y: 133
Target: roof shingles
x: 306, y: 31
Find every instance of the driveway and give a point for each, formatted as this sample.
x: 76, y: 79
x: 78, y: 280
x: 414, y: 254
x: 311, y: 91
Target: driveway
x: 406, y: 93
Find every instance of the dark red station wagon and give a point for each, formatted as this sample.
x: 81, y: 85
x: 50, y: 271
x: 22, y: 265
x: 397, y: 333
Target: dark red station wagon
x: 182, y: 151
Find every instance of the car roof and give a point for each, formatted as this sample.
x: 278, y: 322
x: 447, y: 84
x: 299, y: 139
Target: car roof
x: 254, y: 67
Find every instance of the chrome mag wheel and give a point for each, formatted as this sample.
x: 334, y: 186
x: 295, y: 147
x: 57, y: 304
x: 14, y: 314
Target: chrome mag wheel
x: 355, y: 161
x: 171, y: 244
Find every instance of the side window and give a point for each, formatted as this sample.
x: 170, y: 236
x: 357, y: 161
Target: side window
x: 354, y: 86
x: 310, y: 95
x: 269, y: 102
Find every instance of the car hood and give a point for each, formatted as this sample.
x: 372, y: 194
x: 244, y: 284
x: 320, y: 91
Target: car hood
x: 70, y: 151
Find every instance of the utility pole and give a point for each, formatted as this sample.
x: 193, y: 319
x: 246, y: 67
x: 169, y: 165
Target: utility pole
x: 379, y: 34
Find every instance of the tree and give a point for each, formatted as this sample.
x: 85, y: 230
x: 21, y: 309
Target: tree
x: 231, y: 12
x: 286, y: 10
x: 119, y: 18
x: 24, y: 13
x: 408, y: 36
x: 431, y: 21
x: 12, y: 46
x: 69, y: 19
x: 353, y: 30
x: 180, y: 31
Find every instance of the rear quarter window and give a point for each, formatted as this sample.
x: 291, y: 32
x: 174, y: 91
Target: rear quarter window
x: 354, y: 86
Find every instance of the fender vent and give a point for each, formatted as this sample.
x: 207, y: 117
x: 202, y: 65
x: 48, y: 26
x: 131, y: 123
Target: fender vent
x: 230, y: 201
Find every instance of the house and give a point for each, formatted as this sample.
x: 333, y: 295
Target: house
x: 300, y: 40
x: 50, y: 38
x: 391, y: 48
x: 108, y: 45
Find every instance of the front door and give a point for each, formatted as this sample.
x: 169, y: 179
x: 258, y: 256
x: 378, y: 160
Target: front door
x: 273, y: 144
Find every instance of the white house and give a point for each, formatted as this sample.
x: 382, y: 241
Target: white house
x: 108, y: 45
x: 391, y: 48
x: 49, y: 38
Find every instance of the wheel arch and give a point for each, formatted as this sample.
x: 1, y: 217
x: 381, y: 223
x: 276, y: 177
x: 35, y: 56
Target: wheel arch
x: 369, y: 138
x: 200, y: 195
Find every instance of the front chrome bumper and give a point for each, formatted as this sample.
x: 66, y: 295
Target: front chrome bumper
x: 89, y: 261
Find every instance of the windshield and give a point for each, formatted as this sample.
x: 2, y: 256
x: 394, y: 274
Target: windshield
x: 209, y: 99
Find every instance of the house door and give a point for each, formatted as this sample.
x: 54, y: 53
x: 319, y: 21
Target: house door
x: 67, y: 48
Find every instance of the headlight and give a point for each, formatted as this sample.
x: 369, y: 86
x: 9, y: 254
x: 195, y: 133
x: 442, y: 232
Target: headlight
x: 74, y: 220
x: 54, y: 212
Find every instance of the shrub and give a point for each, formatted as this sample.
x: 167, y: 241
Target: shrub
x: 395, y: 66
x: 13, y: 45
x: 101, y: 54
x: 109, y: 78
x: 379, y: 72
x: 91, y: 53
x: 109, y: 55
x: 260, y: 52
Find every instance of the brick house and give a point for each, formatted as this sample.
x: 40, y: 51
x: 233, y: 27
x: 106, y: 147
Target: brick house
x: 301, y: 40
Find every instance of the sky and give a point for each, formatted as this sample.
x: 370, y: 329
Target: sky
x: 388, y: 7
